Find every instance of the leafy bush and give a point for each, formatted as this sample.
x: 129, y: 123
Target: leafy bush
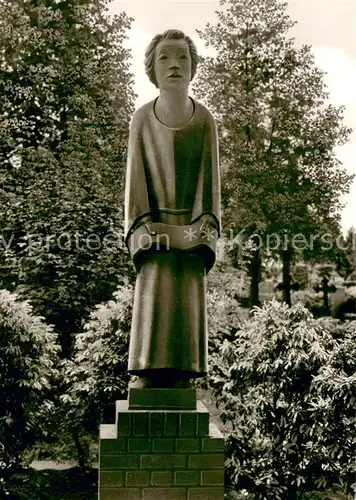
x: 337, y: 328
x: 308, y: 297
x: 351, y: 291
x: 96, y: 376
x: 225, y: 317
x: 271, y: 383
x: 28, y: 370
x: 334, y: 407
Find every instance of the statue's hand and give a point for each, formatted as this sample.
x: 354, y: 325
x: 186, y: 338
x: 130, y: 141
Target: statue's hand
x: 207, y: 222
x: 147, y: 222
x: 149, y: 227
x: 208, y: 227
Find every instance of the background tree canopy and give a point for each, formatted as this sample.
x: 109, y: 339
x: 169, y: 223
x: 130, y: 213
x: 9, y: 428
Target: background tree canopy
x: 67, y: 98
x: 280, y: 173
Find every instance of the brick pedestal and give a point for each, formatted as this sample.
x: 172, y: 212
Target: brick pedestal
x: 161, y: 455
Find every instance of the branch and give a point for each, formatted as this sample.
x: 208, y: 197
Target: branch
x: 271, y: 135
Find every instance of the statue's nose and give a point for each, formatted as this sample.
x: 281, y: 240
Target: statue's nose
x: 174, y: 65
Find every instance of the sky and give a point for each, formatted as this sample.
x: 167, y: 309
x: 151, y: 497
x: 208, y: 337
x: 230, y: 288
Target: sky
x: 326, y: 25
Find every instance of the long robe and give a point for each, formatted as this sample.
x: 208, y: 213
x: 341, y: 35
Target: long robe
x: 172, y: 177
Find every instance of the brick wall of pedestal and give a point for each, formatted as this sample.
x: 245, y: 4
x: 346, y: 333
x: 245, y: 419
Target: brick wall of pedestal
x: 161, y: 455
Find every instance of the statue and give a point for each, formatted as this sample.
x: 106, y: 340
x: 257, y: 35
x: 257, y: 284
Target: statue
x: 172, y: 219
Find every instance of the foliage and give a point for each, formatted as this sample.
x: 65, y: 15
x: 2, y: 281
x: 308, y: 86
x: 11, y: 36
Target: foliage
x: 226, y: 286
x: 346, y: 261
x: 29, y: 369
x: 351, y: 292
x: 333, y: 494
x: 309, y: 298
x: 271, y: 105
x: 281, y: 179
x: 235, y: 260
x: 225, y: 315
x: 270, y: 383
x: 96, y: 376
x: 67, y: 99
x: 334, y: 407
x: 73, y: 484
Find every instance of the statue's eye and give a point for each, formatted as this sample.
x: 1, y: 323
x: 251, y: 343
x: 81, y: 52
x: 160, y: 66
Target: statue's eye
x: 162, y: 58
x: 183, y: 56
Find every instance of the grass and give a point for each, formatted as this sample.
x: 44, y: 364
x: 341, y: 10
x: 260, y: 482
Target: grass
x: 70, y: 484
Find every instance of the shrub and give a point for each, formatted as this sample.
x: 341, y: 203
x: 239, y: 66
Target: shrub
x: 334, y: 407
x: 29, y: 363
x: 270, y: 383
x: 97, y: 375
x: 225, y: 316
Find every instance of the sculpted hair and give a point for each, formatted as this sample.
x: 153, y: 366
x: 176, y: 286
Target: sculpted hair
x: 170, y: 35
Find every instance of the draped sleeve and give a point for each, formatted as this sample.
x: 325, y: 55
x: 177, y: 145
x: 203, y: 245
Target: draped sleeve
x: 136, y: 195
x: 207, y: 199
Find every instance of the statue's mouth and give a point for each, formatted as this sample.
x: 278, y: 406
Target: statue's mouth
x: 174, y: 75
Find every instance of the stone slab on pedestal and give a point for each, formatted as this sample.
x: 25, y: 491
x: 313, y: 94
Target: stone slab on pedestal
x: 161, y: 454
x: 163, y: 399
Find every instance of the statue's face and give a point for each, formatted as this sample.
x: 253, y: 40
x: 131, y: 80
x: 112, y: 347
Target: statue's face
x: 173, y: 65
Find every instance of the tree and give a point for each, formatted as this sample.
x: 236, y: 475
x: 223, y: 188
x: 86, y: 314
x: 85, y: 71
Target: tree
x: 281, y: 176
x: 346, y: 257
x: 29, y: 370
x: 67, y: 100
x: 272, y: 381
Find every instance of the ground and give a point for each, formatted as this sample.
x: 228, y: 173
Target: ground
x: 76, y: 484
x: 50, y: 484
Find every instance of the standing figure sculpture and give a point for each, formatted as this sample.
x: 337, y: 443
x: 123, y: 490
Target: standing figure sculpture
x: 172, y: 219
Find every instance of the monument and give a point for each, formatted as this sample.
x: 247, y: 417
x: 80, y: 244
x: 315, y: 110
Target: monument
x: 161, y: 445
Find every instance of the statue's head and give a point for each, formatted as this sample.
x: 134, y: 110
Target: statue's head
x: 168, y: 50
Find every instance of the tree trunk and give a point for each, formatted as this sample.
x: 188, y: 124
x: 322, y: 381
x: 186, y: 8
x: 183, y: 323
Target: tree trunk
x: 287, y: 258
x: 81, y: 452
x: 255, y: 274
x: 292, y: 493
